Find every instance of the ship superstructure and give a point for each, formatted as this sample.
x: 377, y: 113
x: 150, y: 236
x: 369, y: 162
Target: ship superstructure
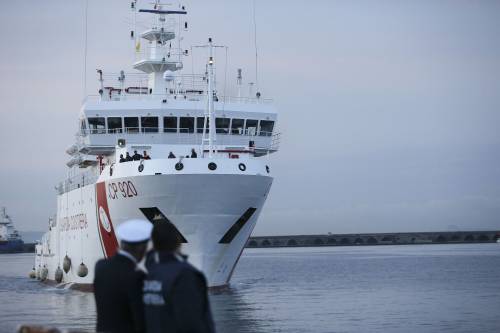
x: 201, y: 161
x: 10, y: 240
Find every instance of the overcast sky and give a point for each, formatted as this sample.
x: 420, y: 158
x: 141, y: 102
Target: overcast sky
x: 390, y: 110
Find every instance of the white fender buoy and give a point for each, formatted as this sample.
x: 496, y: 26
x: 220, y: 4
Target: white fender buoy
x: 58, y: 275
x: 44, y: 273
x: 82, y: 270
x: 66, y: 264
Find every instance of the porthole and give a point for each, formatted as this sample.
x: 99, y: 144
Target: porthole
x: 140, y: 167
x: 267, y: 169
x: 179, y: 166
x: 242, y: 167
x: 212, y: 166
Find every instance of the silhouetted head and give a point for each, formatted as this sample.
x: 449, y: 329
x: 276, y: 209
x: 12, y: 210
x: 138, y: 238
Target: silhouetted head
x: 165, y: 237
x: 128, y: 154
x: 137, y: 250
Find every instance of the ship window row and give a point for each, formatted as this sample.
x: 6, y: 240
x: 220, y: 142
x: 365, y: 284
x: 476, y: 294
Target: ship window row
x: 236, y: 126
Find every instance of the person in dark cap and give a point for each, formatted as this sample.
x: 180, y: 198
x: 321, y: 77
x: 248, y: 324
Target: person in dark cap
x: 136, y: 156
x: 193, y: 153
x: 118, y: 281
x: 122, y: 159
x: 128, y: 158
x: 171, y: 155
x: 174, y: 293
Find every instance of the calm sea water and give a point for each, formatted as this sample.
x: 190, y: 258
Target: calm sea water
x: 425, y: 288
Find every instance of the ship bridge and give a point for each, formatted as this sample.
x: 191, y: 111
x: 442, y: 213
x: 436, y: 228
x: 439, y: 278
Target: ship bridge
x: 241, y: 124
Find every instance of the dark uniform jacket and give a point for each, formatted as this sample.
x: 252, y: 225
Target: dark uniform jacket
x: 175, y: 297
x: 118, y: 295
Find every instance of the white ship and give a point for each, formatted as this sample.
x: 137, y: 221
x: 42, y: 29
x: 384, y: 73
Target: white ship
x: 214, y: 200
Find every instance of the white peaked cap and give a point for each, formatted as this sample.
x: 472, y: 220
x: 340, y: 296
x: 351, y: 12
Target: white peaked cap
x: 134, y: 231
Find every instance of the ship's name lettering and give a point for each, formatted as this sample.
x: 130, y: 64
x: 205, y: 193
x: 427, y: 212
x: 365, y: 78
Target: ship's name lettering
x: 74, y: 222
x: 125, y: 189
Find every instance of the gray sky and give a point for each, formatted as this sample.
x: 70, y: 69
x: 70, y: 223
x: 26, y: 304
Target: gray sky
x: 390, y: 110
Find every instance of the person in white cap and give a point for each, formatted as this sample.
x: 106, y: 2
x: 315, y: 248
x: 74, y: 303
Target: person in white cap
x: 118, y: 281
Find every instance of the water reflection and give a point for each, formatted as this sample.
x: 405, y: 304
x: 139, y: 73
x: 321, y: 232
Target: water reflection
x: 234, y: 313
x: 350, y: 289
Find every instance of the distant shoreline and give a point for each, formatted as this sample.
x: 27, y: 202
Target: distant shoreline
x: 398, y: 238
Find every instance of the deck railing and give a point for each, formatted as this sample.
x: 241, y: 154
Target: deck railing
x: 134, y: 86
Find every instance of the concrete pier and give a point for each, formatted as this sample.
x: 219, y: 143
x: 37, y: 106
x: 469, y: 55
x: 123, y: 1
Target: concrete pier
x: 402, y: 238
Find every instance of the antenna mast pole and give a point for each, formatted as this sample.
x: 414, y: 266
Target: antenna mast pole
x: 85, y: 51
x: 210, y: 110
x: 256, y: 53
x: 210, y: 92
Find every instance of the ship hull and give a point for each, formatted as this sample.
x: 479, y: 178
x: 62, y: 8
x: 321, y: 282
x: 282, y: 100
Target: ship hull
x: 214, y: 213
x: 11, y: 246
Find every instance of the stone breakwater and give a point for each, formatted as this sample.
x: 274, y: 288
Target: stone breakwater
x: 405, y: 238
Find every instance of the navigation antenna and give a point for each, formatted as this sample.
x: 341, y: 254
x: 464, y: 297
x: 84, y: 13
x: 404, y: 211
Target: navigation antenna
x: 85, y: 50
x: 256, y: 53
x: 211, y: 95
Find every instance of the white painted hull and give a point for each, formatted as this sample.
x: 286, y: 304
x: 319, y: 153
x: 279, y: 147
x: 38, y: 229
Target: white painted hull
x: 203, y: 206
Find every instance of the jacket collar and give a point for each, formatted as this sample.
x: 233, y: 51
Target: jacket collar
x: 166, y: 256
x: 127, y: 255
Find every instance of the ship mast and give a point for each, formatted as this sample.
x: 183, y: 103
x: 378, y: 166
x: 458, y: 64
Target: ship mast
x: 210, y: 136
x: 161, y: 56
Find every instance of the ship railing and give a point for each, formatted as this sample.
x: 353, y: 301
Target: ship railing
x: 134, y: 86
x: 172, y: 54
x: 188, y: 94
x: 76, y: 181
x: 137, y: 83
x: 182, y: 132
x: 263, y: 141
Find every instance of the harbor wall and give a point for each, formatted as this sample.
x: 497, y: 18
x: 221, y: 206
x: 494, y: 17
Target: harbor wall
x: 403, y: 238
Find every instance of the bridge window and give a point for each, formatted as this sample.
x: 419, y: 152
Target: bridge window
x: 83, y: 126
x: 266, y: 127
x: 222, y: 125
x: 131, y: 124
x: 97, y: 125
x: 199, y: 124
x: 186, y: 125
x: 114, y: 125
x: 237, y: 126
x: 149, y: 124
x: 170, y: 124
x: 251, y: 127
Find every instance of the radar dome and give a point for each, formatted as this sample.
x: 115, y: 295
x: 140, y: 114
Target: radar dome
x: 168, y: 76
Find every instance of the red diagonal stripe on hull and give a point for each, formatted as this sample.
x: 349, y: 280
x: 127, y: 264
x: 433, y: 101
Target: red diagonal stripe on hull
x: 108, y: 238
